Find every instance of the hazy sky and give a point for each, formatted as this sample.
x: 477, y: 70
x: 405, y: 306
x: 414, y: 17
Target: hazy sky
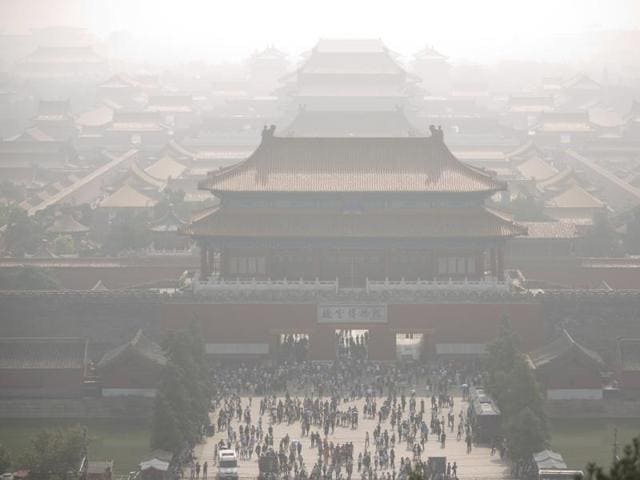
x: 226, y: 30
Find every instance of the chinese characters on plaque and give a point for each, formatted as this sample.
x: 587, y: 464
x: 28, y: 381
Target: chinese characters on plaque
x: 352, y: 313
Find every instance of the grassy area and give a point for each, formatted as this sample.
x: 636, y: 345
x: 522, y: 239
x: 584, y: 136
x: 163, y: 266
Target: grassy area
x: 582, y: 441
x: 123, y: 441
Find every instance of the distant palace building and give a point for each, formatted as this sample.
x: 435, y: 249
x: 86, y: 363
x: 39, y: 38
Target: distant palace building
x: 350, y: 87
x: 352, y: 209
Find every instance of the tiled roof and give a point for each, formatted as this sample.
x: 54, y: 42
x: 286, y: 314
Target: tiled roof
x: 127, y: 197
x: 35, y: 134
x: 537, y: 169
x: 357, y: 56
x: 42, y: 353
x: 582, y: 81
x: 120, y: 80
x: 361, y: 91
x: 166, y: 168
x: 429, y: 53
x: 565, y: 122
x: 309, y: 123
x: 548, y: 459
x: 433, y: 223
x: 170, y: 104
x: 550, y: 230
x: 136, y: 122
x: 296, y: 164
x: 96, y: 117
x: 140, y: 346
x: 269, y: 53
x: 65, y: 223
x: 629, y: 350
x: 558, y: 178
x: 63, y: 55
x: 606, y: 117
x: 342, y: 45
x: 559, y: 347
x: 147, y: 179
x: 170, y: 222
x: 574, y: 197
x: 530, y: 103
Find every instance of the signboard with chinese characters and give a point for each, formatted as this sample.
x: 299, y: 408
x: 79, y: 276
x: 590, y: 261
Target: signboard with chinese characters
x: 349, y: 313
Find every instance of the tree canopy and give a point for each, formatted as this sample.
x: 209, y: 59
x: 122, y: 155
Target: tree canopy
x: 626, y: 467
x: 5, y: 459
x: 56, y: 454
x: 514, y: 388
x: 27, y: 278
x: 182, y: 402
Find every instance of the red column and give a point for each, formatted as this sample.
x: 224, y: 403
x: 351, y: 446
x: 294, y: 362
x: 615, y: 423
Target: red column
x: 204, y: 261
x: 493, y: 261
x: 211, y: 257
x: 386, y: 263
x: 500, y: 262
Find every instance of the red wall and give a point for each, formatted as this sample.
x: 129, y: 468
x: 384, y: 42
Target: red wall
x: 445, y: 323
x: 133, y: 374
x: 41, y: 382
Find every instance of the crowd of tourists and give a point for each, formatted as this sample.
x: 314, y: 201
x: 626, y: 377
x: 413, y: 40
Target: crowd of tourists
x: 319, y: 399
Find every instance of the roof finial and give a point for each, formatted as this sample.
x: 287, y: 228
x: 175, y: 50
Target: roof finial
x: 436, y: 132
x: 268, y: 132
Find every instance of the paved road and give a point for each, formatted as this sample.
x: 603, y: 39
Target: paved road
x: 479, y: 464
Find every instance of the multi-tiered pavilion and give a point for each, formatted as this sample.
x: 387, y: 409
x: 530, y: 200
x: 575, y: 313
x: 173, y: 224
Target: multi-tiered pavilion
x: 352, y: 210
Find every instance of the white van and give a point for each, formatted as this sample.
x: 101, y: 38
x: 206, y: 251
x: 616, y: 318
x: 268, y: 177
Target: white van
x: 227, y: 465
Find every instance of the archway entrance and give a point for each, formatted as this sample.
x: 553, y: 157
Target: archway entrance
x: 352, y: 344
x: 410, y: 346
x: 292, y: 347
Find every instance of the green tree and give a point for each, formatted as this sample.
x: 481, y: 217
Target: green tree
x: 64, y: 245
x: 512, y: 384
x: 527, y: 209
x: 182, y: 403
x: 5, y: 459
x: 625, y: 468
x: 170, y: 423
x: 600, y: 239
x: 56, y: 454
x: 127, y: 231
x: 23, y: 233
x: 632, y: 238
x: 526, y: 434
x: 11, y: 191
x: 27, y: 278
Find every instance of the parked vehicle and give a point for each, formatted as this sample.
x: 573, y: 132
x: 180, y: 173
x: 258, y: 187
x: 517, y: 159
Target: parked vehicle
x: 227, y: 465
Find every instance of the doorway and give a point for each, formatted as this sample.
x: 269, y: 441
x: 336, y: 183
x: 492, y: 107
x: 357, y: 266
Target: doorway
x: 409, y: 346
x: 352, y: 344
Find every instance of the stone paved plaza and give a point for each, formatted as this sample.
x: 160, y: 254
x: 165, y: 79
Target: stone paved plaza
x: 478, y: 464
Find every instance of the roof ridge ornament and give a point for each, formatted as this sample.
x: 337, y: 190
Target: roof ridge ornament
x: 437, y: 133
x: 268, y: 132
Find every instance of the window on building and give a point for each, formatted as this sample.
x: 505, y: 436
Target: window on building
x: 262, y: 270
x: 456, y: 266
x: 247, y: 266
x: 252, y: 265
x: 471, y: 266
x: 442, y: 266
x: 452, y: 265
x: 242, y: 265
x: 462, y: 265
